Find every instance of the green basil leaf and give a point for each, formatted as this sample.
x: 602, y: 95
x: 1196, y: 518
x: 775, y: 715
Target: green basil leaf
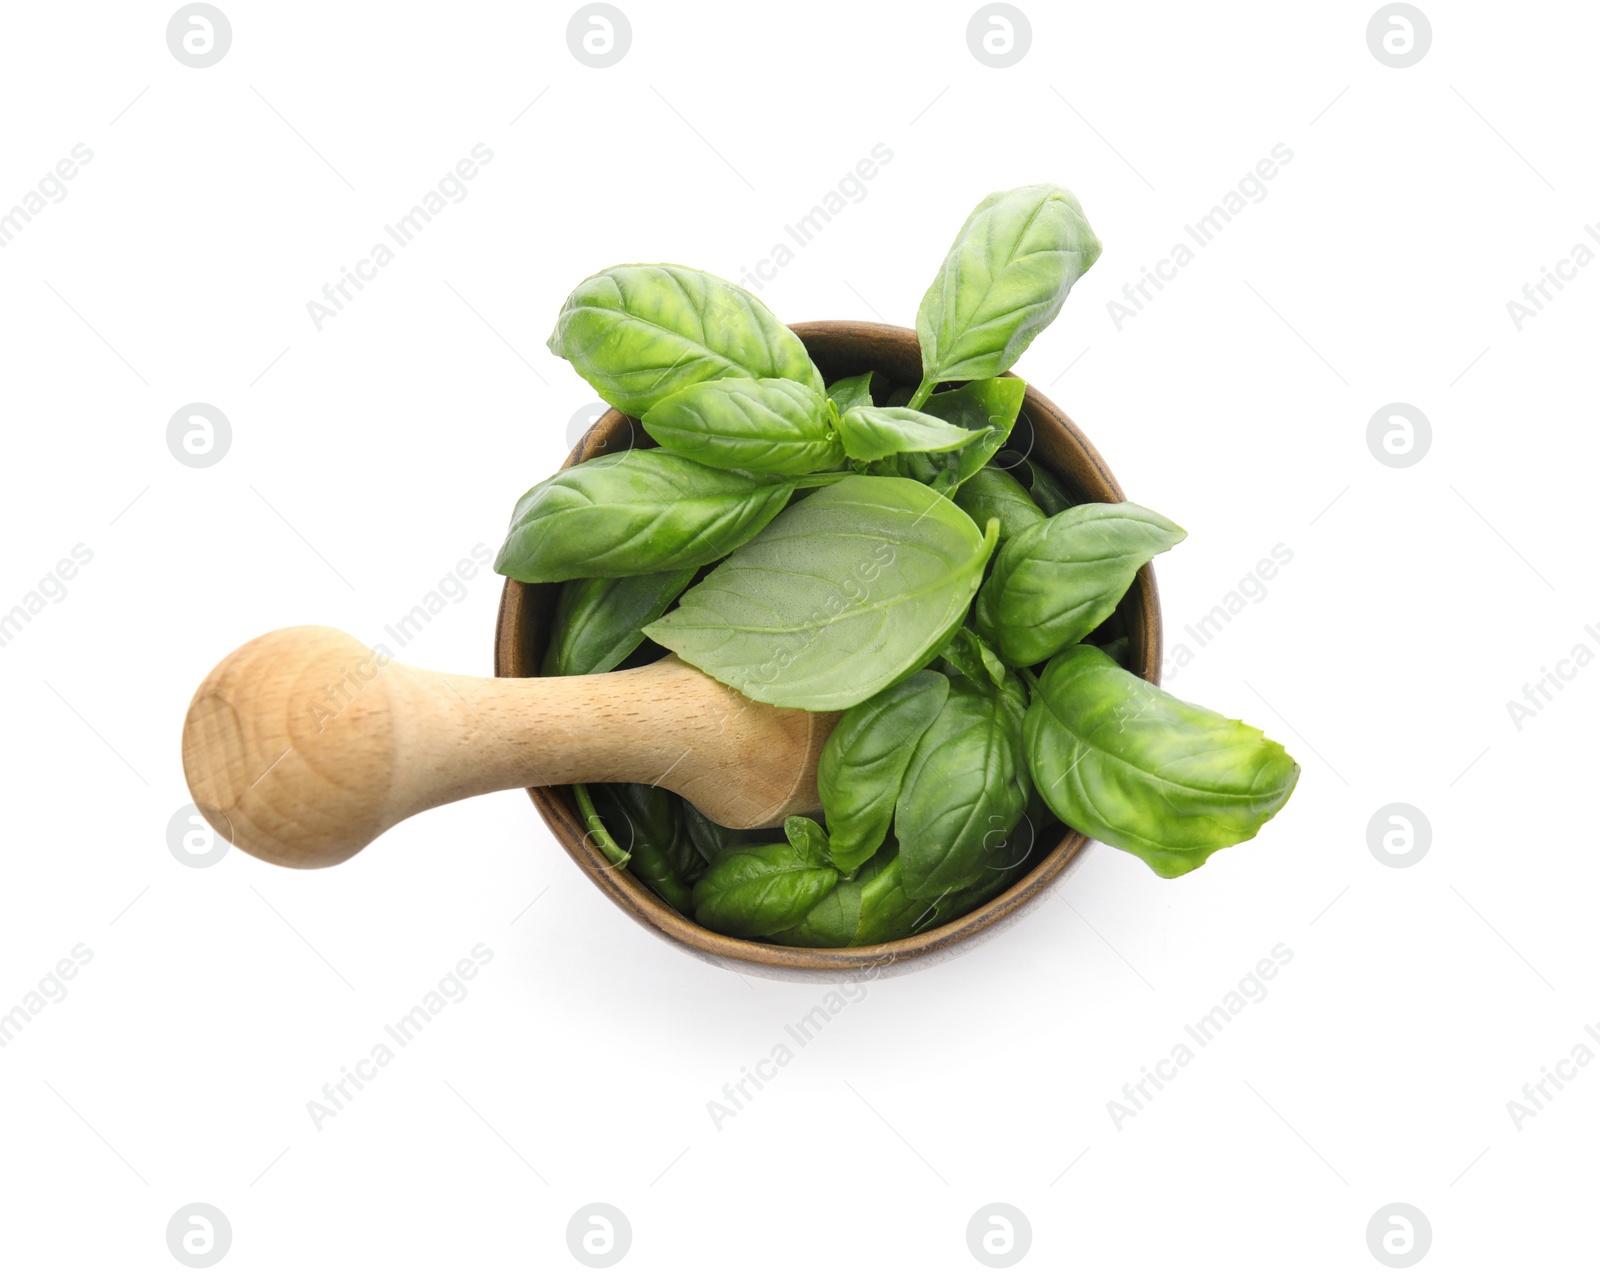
x: 964, y: 791
x: 864, y: 761
x: 1047, y: 492
x: 1003, y: 282
x: 875, y: 432
x: 830, y: 924
x: 759, y: 426
x: 856, y: 390
x: 1056, y: 582
x: 845, y: 593
x: 993, y: 492
x: 645, y: 823
x: 757, y: 891
x: 639, y: 512
x: 711, y: 840
x: 1119, y: 759
x: 970, y: 654
x: 598, y: 622
x: 986, y: 408
x: 638, y: 333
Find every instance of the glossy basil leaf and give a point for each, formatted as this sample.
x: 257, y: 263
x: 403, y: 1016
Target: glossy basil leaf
x: 993, y: 492
x: 843, y: 594
x: 828, y: 925
x: 639, y: 333
x: 856, y: 390
x: 645, y: 823
x: 756, y: 891
x: 759, y: 426
x: 875, y: 432
x: 864, y: 760
x: 986, y: 408
x: 1129, y: 764
x: 807, y: 837
x: 711, y: 840
x: 964, y: 790
x: 1055, y: 583
x: 598, y: 622
x: 639, y: 512
x: 970, y: 654
x: 1003, y: 282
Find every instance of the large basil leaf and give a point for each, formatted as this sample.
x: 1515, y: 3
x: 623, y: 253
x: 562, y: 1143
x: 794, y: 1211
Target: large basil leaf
x: 842, y: 595
x: 875, y: 432
x: 1003, y: 282
x: 638, y: 333
x: 993, y: 492
x: 1056, y: 582
x: 760, y: 426
x: 598, y: 622
x: 639, y: 512
x: 864, y: 760
x: 1119, y: 759
x: 754, y: 892
x: 965, y: 789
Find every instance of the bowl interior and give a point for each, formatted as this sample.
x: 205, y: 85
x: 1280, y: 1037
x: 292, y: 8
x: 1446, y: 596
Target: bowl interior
x: 1045, y: 433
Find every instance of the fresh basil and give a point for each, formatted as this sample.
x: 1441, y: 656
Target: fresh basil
x: 639, y: 333
x: 639, y: 512
x: 965, y: 789
x: 645, y: 822
x: 856, y: 390
x: 599, y: 622
x: 1003, y: 282
x: 1126, y: 762
x: 993, y: 492
x: 759, y: 426
x: 970, y: 655
x: 754, y: 892
x: 876, y: 432
x: 1055, y: 582
x: 842, y: 595
x: 864, y: 761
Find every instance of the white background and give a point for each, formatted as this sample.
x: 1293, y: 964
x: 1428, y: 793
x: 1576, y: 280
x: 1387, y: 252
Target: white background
x: 369, y: 457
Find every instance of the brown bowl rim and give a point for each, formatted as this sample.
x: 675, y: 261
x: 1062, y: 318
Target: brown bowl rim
x: 515, y: 655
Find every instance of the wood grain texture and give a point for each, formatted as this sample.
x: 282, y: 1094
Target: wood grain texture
x: 303, y: 745
x: 1044, y: 431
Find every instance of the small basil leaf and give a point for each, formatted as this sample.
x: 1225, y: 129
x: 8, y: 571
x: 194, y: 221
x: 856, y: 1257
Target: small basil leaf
x: 993, y: 492
x: 639, y: 512
x: 754, y: 892
x: 986, y: 408
x: 1003, y: 282
x: 842, y: 595
x: 1119, y: 759
x: 965, y: 789
x: 807, y: 837
x: 970, y: 654
x: 598, y: 622
x: 864, y: 761
x: 854, y: 391
x: 875, y: 432
x: 1047, y: 492
x: 759, y: 426
x: 638, y: 333
x: 1055, y: 583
